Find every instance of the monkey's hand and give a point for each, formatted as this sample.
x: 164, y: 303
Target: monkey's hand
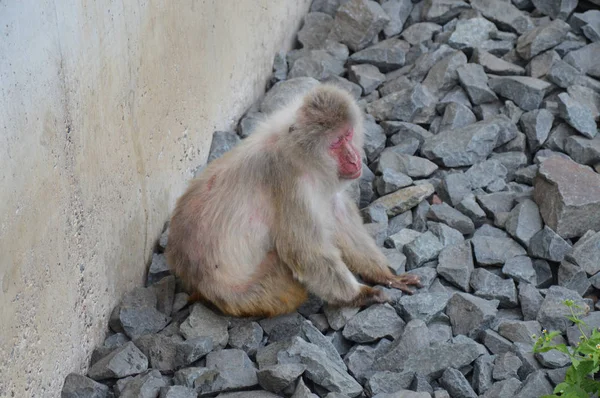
x: 402, y: 282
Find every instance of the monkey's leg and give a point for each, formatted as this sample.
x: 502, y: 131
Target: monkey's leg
x: 276, y: 292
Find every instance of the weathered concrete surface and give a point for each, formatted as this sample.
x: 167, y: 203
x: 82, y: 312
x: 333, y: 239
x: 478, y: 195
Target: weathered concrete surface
x: 106, y: 108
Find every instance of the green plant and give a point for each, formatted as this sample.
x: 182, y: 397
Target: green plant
x: 585, y: 357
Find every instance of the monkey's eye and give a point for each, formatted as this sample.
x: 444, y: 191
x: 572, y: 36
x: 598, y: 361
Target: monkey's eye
x: 337, y: 142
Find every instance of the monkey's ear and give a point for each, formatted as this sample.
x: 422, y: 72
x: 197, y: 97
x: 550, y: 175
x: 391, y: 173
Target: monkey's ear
x: 292, y: 128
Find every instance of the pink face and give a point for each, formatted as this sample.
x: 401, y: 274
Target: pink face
x: 345, y: 153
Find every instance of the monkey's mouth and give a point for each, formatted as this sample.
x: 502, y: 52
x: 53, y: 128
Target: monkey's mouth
x: 351, y: 176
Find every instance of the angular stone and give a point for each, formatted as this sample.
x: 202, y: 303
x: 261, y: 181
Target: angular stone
x: 470, y: 315
x: 326, y: 6
x: 222, y: 141
x: 586, y: 96
x: 367, y: 76
x: 412, y: 166
x: 586, y: 253
x: 456, y: 265
x: 585, y: 59
x: 145, y: 385
x: 442, y: 11
x: 469, y: 145
x: 432, y: 361
x: 405, y: 199
x: 504, y: 14
x: 470, y: 33
x: 124, y: 361
x: 562, y: 74
x: 178, y: 392
x: 542, y: 38
x: 247, y: 337
x: 491, y: 250
x: 583, y: 150
x: 78, y: 386
x: 158, y: 268
x: 482, y: 373
x: 138, y: 314
x: 577, y: 115
x: 454, y: 188
x: 573, y: 277
x: 526, y: 92
x: 339, y: 316
x: 569, y: 197
x: 553, y: 313
x: 357, y: 23
x: 390, y: 181
x: 422, y: 249
x: 425, y: 306
x: 360, y: 359
x: 494, y: 65
x: 530, y: 300
x: 402, y: 238
x: 506, y: 366
x: 451, y: 217
x: 521, y: 269
x: 373, y: 323
x: 386, y: 382
x: 282, y: 327
x: 443, y: 75
x: 495, y: 343
x: 318, y: 64
x: 161, y: 351
x: 536, y: 125
x: 420, y: 32
x: 535, y: 385
x: 524, y: 221
x: 456, y: 384
x: 386, y: 55
x: 492, y: 287
x: 548, y: 245
x: 456, y: 116
x: 283, y: 92
x: 447, y: 235
x: 202, y: 322
x: 473, y: 79
x: 482, y: 174
x: 315, y: 30
x: 277, y: 377
x: 319, y: 368
x: 469, y: 207
x: 398, y: 11
x: 409, y: 105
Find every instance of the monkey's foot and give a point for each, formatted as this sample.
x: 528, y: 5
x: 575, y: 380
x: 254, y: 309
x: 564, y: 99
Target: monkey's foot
x: 402, y: 282
x: 369, y: 296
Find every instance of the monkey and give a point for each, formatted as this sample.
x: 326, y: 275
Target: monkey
x: 269, y: 221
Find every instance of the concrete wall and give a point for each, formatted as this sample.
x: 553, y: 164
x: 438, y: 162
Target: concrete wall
x: 106, y: 108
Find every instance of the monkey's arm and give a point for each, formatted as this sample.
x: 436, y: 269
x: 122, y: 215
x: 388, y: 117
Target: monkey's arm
x: 363, y: 256
x: 302, y: 244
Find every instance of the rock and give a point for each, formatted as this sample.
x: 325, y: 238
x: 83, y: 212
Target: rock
x: 425, y: 306
x: 318, y: 64
x: 326, y: 6
x: 78, y: 386
x: 373, y: 323
x: 386, y: 55
x: 586, y: 96
x: 536, y: 125
x: 138, y: 314
x: 246, y: 336
x: 469, y: 207
x: 177, y: 392
x: 553, y: 313
x: 555, y: 8
x: 452, y: 217
x: 473, y: 79
x: 190, y: 350
x: 188, y: 376
x: 524, y: 221
x: 442, y: 11
x: 482, y: 373
x: 548, y: 245
x: 494, y: 65
x: 583, y: 150
x: 145, y: 385
x: 491, y: 250
x: 562, y: 74
x: 398, y: 11
x: 161, y: 351
x: 412, y: 166
x: 203, y: 322
x: 470, y: 315
x: 390, y: 181
x: 553, y: 359
x: 504, y: 15
x: 506, y: 366
x: 495, y: 343
x: 124, y: 361
x: 405, y: 199
x: 165, y: 294
x: 158, y: 268
x: 504, y: 388
x: 367, y: 76
x: 222, y: 141
x: 409, y: 105
x: 360, y: 359
x: 277, y: 377
x: 573, y: 277
x: 535, y: 385
x: 456, y: 116
x: 319, y: 368
x: 542, y: 38
x: 447, y: 235
x: 585, y: 59
x: 456, y: 265
x: 482, y: 174
x: 422, y: 249
x: 577, y: 115
x: 470, y: 144
x: 526, y: 92
x: 454, y: 188
x: 433, y: 360
x: 492, y: 287
x: 513, y: 161
x: 282, y: 327
x: 520, y: 269
x: 531, y: 301
x: 588, y: 23
x: 357, y: 23
x: 539, y: 66
x: 315, y: 30
x: 443, y: 75
x: 569, y: 197
x: 402, y: 238
x: 420, y: 32
x: 283, y: 92
x: 339, y: 316
x: 470, y: 33
x: 586, y: 253
x: 456, y: 384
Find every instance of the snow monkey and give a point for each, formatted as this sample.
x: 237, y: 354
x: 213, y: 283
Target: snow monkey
x: 269, y: 221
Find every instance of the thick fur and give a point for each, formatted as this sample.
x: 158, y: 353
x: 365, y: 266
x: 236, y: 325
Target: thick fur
x: 269, y: 221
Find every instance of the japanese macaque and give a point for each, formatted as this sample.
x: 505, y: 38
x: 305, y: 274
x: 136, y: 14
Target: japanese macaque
x: 270, y: 221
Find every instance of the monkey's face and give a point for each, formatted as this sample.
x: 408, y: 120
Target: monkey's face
x: 343, y: 149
